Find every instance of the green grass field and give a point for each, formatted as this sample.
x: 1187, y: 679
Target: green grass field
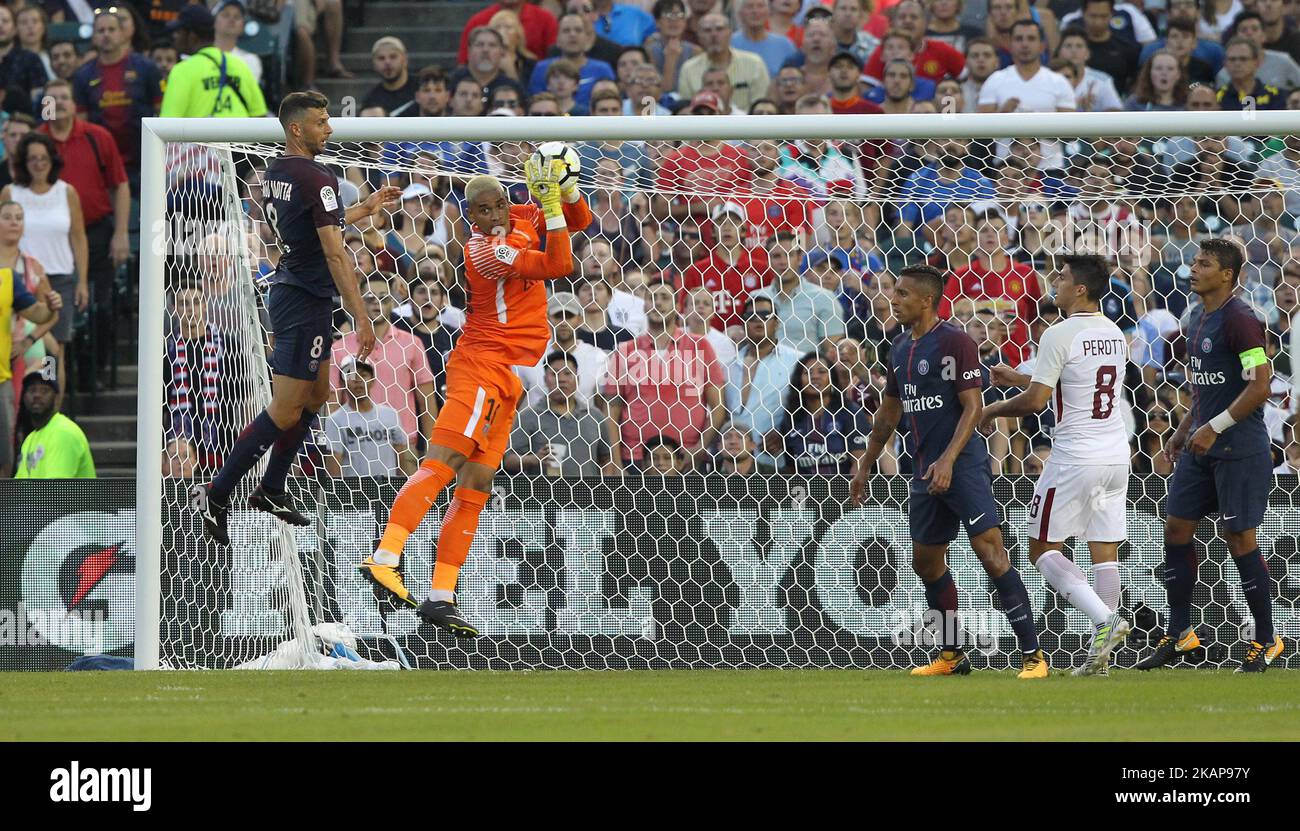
x: 643, y: 705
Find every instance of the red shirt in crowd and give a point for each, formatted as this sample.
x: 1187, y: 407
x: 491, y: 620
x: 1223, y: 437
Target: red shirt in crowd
x: 92, y: 165
x: 936, y: 60
x: 1018, y: 284
x: 784, y: 208
x: 730, y: 284
x: 855, y: 106
x: 540, y: 29
x: 687, y: 169
x: 663, y: 390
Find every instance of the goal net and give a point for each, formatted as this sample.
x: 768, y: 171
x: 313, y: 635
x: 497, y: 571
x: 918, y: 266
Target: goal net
x: 680, y: 500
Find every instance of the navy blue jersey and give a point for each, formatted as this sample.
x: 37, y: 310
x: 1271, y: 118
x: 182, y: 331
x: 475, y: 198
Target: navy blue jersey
x: 1220, y: 346
x: 927, y: 375
x: 823, y: 444
x: 300, y: 195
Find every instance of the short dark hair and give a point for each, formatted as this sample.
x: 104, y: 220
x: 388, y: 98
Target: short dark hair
x: 567, y: 357
x: 432, y: 74
x: 296, y: 104
x: 1072, y: 31
x: 1091, y: 272
x: 22, y: 118
x: 639, y: 49
x: 928, y: 275
x: 1085, y: 3
x: 1227, y: 253
x: 73, y: 44
x: 662, y: 7
x: 1185, y: 26
x: 655, y: 442
x: 22, y: 176
x: 1028, y: 21
x: 981, y: 40
x: 507, y: 84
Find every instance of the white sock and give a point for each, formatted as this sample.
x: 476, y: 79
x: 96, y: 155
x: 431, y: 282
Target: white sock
x: 1064, y: 576
x: 443, y: 595
x: 387, y: 558
x: 1105, y: 578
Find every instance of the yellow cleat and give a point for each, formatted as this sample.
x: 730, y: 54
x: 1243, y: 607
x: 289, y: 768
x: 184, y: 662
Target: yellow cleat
x: 1275, y: 649
x: 1034, y: 666
x: 389, y: 580
x: 948, y: 663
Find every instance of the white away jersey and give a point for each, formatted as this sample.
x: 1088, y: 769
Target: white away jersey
x: 1083, y: 359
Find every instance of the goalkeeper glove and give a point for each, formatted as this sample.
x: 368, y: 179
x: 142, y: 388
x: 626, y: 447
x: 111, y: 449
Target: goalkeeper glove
x: 543, y: 183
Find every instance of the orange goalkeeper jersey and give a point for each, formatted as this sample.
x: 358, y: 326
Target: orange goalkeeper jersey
x: 506, y: 320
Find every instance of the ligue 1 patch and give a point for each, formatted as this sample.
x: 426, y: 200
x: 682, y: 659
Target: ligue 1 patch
x: 313, y: 366
x: 328, y: 199
x: 923, y: 366
x: 505, y: 254
x: 1207, y: 345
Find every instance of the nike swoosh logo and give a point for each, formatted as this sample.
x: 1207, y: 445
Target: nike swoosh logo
x: 977, y: 519
x: 1012, y: 609
x: 1225, y: 516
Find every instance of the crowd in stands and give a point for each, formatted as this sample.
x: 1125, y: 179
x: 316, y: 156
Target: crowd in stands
x: 729, y: 308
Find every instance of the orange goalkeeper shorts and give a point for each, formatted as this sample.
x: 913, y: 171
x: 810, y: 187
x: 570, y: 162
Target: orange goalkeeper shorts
x: 479, y: 410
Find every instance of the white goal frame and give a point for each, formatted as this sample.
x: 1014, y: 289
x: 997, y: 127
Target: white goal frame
x: 157, y: 132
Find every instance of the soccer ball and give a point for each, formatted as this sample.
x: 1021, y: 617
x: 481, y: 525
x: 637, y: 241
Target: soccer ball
x: 551, y: 150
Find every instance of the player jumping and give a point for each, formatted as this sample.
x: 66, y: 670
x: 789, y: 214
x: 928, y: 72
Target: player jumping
x: 506, y: 326
x: 1083, y: 490
x: 301, y: 203
x: 1227, y: 466
x: 936, y: 381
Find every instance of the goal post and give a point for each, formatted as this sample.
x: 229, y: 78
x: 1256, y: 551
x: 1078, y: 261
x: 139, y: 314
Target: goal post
x: 572, y: 617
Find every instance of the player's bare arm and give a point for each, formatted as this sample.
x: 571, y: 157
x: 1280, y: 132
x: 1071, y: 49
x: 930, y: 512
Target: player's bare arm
x: 972, y: 409
x: 344, y: 273
x: 43, y: 311
x: 1257, y: 391
x: 1004, y: 376
x: 882, y: 430
x: 1033, y: 400
x: 383, y: 199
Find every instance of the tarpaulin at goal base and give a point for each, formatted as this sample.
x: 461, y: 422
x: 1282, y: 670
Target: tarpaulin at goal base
x: 635, y: 572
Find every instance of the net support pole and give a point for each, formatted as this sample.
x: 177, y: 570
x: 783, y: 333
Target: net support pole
x: 149, y: 427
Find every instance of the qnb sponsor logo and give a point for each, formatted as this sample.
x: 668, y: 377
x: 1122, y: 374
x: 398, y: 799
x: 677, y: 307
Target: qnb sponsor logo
x: 77, y: 784
x: 922, y: 404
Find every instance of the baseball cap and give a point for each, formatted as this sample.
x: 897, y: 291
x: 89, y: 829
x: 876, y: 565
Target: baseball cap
x: 815, y: 258
x: 193, y: 18
x: 47, y: 375
x: 707, y: 99
x: 350, y: 365
x: 502, y: 111
x: 564, y: 301
x: 388, y: 40
x: 845, y: 55
x: 727, y: 208
x: 217, y: 9
x: 415, y: 190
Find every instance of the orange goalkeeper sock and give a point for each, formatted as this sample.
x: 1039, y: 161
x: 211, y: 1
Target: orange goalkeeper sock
x: 457, y: 533
x: 412, y: 503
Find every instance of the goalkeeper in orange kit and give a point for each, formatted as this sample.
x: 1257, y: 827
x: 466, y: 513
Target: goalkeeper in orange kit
x: 505, y: 326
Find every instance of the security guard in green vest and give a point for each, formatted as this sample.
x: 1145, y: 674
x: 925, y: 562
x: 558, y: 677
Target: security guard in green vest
x: 209, y: 83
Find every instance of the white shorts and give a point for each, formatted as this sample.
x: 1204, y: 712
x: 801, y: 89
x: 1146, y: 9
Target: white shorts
x: 1086, y: 501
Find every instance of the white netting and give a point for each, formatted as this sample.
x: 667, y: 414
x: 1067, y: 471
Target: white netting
x: 741, y: 551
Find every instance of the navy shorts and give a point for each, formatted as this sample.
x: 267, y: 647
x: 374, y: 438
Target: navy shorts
x: 935, y: 518
x: 302, y: 323
x: 1236, y: 488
